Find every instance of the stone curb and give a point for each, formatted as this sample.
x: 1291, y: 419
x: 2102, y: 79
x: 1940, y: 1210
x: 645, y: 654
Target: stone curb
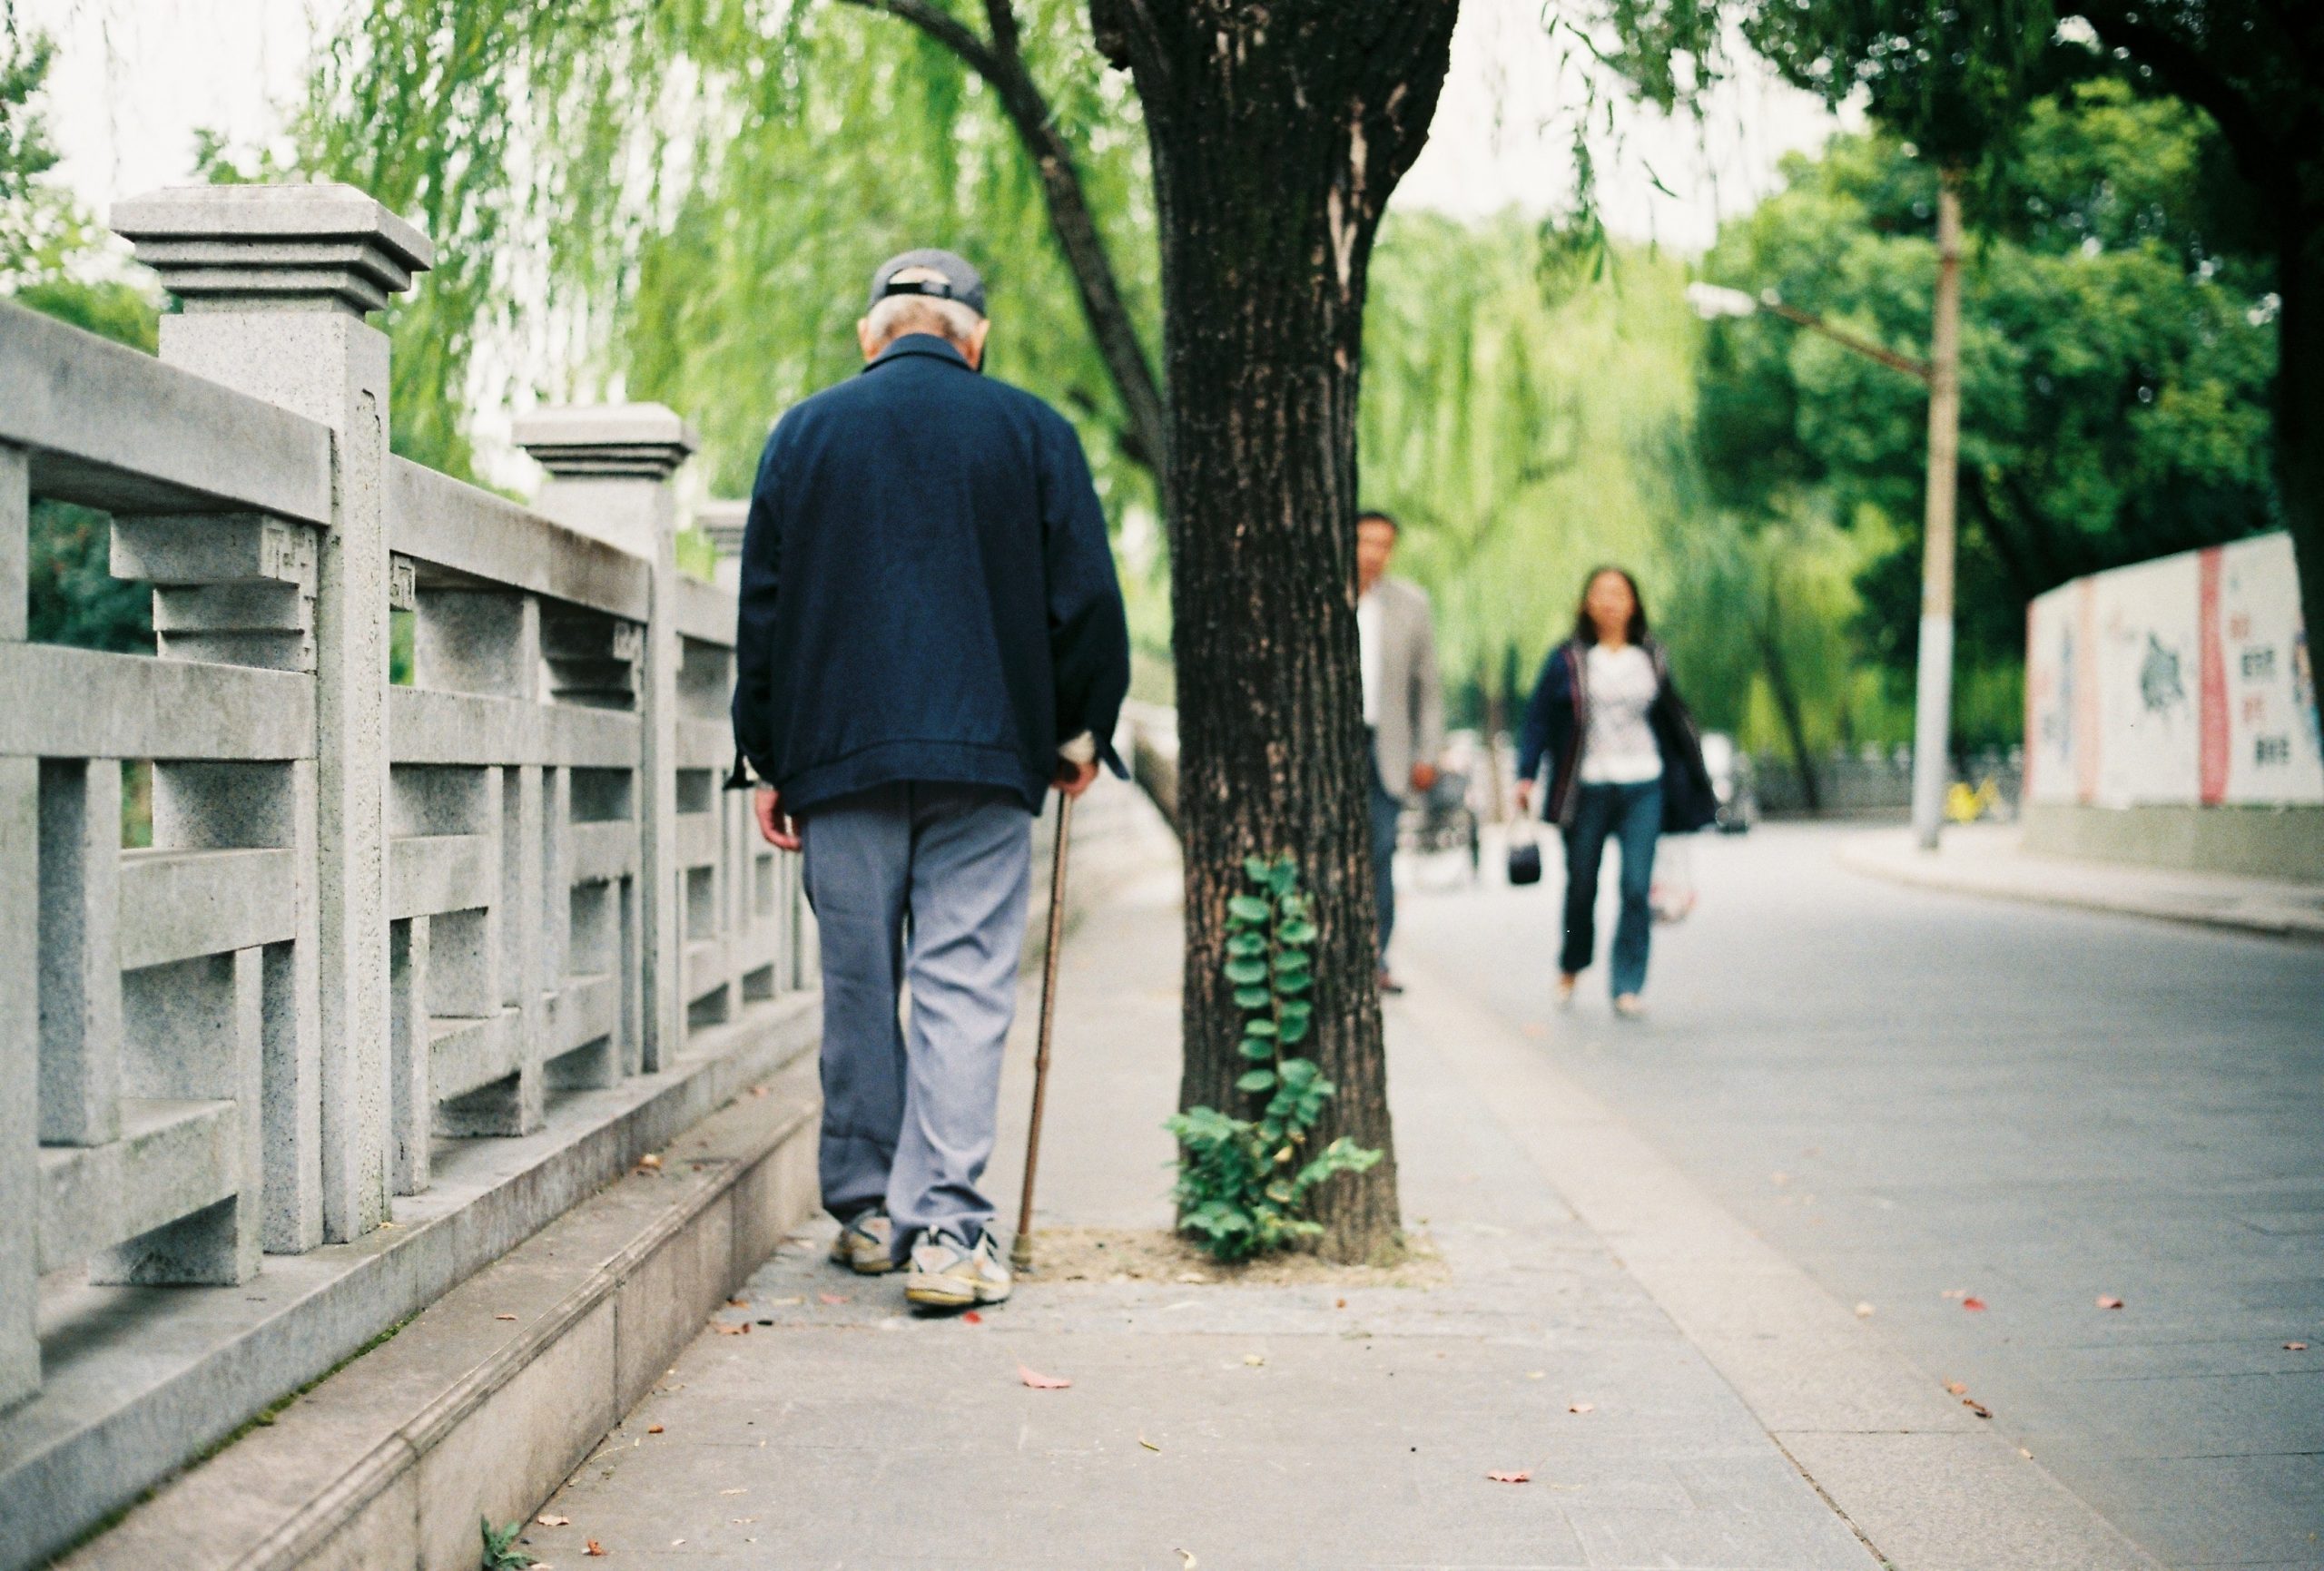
x: 2051, y: 882
x: 488, y: 1399
x: 108, y: 1427
x: 1924, y: 1485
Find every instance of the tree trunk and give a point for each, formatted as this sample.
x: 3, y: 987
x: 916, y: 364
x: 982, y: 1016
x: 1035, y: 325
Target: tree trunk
x: 1786, y: 696
x: 2299, y: 408
x: 1277, y: 133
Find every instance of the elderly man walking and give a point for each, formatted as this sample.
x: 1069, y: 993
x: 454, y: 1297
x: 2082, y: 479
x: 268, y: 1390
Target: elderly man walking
x: 931, y: 636
x: 1403, y: 702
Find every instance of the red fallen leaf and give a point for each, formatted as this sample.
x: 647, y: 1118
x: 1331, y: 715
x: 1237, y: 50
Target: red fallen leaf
x: 594, y: 1548
x: 1510, y: 1478
x: 2295, y: 1347
x: 653, y: 1429
x: 2110, y: 1302
x: 972, y: 1318
x: 1976, y: 1407
x: 1041, y: 1382
x: 1973, y: 1303
x: 833, y: 1297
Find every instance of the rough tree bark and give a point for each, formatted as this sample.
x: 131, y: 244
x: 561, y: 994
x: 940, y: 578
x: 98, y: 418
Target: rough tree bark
x: 1277, y: 130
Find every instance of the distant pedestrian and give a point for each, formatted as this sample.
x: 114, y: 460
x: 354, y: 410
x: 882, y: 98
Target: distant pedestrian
x: 1626, y: 763
x: 1403, y: 702
x: 932, y: 635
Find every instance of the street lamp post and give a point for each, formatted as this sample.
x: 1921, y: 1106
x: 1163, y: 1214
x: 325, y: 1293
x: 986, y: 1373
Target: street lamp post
x: 1932, y: 689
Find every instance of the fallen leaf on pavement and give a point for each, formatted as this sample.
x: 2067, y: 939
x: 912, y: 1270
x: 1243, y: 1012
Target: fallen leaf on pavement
x: 786, y: 1302
x: 1973, y: 1303
x: 1147, y: 1444
x: 1956, y: 1292
x: 2025, y: 1453
x: 653, y: 1429
x: 1976, y: 1407
x: 546, y: 1520
x: 1582, y: 1407
x: 738, y: 1303
x: 1536, y: 1374
x: 1254, y: 1360
x: 1956, y: 1388
x: 738, y: 1329
x: 1041, y: 1382
x: 1339, y: 1303
x: 1510, y: 1478
x: 650, y: 1163
x: 758, y: 1090
x: 1186, y: 1559
x: 504, y: 1316
x: 2295, y: 1347
x: 833, y: 1297
x: 2110, y: 1302
x: 972, y: 1318
x: 594, y: 1548
x: 1863, y: 1311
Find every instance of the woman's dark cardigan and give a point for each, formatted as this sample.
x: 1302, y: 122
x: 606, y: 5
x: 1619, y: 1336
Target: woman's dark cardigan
x: 1557, y: 724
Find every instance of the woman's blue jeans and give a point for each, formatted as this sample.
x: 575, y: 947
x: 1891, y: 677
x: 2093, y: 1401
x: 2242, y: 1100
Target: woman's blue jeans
x: 1631, y: 815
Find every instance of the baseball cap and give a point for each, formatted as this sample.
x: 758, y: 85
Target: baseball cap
x: 955, y: 280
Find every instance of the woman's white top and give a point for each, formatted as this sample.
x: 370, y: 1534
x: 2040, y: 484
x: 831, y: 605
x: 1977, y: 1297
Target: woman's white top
x: 1621, y: 686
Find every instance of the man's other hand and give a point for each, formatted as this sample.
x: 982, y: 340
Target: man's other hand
x: 1524, y: 796
x: 1423, y: 776
x: 1073, y: 778
x: 780, y: 832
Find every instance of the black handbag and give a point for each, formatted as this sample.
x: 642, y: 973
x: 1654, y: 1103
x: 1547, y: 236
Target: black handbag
x: 1525, y: 856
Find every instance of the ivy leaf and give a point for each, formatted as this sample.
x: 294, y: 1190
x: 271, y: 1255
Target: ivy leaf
x: 1257, y: 1048
x: 1256, y: 870
x: 1255, y: 1080
x: 1294, y: 1026
x: 1259, y: 1028
x: 1253, y: 997
x: 1292, y: 984
x: 1246, y: 973
x: 1248, y: 908
x: 1289, y: 961
x: 1248, y: 944
x: 1283, y: 876
x: 1299, y: 932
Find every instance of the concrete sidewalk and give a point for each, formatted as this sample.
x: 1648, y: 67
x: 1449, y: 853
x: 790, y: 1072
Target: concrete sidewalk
x: 1990, y: 859
x: 1662, y: 1400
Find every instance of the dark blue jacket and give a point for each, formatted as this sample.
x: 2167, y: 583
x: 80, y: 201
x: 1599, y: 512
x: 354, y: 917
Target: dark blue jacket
x: 927, y: 590
x: 1557, y: 725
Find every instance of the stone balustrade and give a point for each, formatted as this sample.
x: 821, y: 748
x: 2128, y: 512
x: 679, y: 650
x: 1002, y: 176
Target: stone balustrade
x: 373, y: 918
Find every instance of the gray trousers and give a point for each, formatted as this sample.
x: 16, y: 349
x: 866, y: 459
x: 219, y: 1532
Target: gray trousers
x: 925, y: 884
x: 1386, y: 808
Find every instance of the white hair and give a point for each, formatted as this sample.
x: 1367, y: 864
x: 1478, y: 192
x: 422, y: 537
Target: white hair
x: 896, y: 315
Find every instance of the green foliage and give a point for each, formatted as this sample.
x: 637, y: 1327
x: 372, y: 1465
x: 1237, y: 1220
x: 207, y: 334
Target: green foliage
x: 73, y: 597
x: 1243, y: 1183
x: 2116, y: 353
x: 500, y: 1551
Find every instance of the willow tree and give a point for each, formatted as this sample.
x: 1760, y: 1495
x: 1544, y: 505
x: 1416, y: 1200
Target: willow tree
x: 1275, y: 133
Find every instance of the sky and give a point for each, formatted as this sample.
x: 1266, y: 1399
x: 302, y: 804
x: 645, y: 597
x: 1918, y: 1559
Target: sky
x: 136, y: 78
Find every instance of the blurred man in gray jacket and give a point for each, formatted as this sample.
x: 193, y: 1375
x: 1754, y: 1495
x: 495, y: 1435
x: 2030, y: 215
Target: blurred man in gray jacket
x: 1403, y: 702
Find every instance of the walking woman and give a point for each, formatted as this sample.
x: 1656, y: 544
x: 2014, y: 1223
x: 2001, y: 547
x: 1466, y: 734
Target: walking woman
x: 1626, y: 763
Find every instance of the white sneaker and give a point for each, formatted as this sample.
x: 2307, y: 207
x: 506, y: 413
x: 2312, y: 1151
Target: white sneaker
x: 1631, y: 1006
x: 863, y: 1246
x: 948, y: 1274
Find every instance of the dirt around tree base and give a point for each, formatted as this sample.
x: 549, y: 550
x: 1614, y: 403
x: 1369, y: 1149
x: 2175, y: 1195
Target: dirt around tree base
x: 1129, y: 1254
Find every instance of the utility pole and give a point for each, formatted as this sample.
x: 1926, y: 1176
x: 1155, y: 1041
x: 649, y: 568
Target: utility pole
x: 1932, y: 702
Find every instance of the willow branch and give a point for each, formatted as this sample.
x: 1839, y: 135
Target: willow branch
x: 1001, y: 65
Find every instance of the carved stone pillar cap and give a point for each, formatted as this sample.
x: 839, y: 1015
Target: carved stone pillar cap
x: 281, y: 247
x: 722, y: 521
x: 606, y: 441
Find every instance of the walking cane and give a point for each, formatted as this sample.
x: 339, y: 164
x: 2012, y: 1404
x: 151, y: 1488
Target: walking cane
x: 1021, y: 1250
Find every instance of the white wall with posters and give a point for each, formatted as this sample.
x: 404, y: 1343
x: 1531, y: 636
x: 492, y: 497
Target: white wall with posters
x: 2187, y: 680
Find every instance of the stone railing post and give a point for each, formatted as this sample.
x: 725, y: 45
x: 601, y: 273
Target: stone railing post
x: 722, y: 521
x: 275, y: 281
x: 19, y: 1001
x: 609, y: 467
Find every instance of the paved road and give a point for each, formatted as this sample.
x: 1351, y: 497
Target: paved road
x: 1916, y: 1096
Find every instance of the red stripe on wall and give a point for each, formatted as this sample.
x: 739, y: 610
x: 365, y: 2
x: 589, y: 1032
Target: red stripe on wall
x: 2211, y: 709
